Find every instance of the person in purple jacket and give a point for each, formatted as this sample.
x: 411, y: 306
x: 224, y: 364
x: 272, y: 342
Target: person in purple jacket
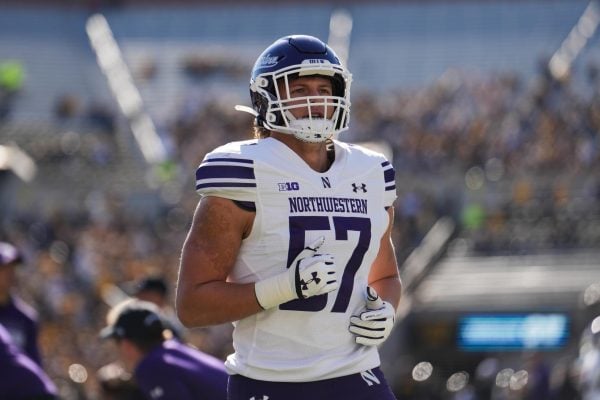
x: 19, y: 318
x: 20, y: 377
x: 164, y: 368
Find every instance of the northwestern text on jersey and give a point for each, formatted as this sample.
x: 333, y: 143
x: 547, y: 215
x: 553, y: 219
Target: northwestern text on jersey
x: 327, y: 204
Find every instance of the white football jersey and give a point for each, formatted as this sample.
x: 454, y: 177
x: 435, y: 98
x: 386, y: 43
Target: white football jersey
x: 308, y: 339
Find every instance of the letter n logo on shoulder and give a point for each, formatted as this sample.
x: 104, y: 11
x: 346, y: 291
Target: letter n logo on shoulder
x: 326, y: 183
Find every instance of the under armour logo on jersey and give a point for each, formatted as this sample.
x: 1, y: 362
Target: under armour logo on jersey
x: 315, y: 279
x: 259, y: 398
x: 369, y: 377
x: 356, y: 187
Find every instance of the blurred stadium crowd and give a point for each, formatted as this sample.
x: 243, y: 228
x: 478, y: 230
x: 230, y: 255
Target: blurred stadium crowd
x: 513, y: 161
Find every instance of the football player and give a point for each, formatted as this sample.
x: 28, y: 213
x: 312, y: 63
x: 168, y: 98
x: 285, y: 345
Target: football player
x: 291, y: 240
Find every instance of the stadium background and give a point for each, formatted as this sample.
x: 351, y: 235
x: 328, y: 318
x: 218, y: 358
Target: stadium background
x: 489, y: 110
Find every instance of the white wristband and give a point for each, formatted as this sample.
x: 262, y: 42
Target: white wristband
x: 274, y: 291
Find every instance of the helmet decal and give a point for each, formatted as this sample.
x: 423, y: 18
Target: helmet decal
x: 268, y: 60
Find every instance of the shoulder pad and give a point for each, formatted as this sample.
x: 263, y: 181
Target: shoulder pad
x: 227, y: 172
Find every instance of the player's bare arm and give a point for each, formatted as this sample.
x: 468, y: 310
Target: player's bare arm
x: 204, y: 297
x: 384, y: 276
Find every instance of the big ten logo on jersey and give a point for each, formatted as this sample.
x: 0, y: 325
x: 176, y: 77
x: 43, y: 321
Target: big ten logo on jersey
x: 288, y: 186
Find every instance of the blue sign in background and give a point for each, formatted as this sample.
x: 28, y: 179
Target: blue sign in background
x: 512, y: 331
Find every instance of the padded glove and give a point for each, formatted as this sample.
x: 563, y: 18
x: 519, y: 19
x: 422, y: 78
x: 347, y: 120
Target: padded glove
x: 373, y: 326
x: 310, y: 274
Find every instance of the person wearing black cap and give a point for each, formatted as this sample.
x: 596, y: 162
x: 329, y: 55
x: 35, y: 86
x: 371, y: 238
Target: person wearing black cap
x: 19, y: 318
x: 163, y: 368
x: 20, y: 377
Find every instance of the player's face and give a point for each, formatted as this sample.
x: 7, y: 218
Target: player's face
x: 309, y: 86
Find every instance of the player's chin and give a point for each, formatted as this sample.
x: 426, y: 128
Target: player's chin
x: 310, y: 117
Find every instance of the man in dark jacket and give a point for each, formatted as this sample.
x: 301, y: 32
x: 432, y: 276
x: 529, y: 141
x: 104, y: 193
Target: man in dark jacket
x: 21, y: 377
x: 18, y: 318
x: 163, y: 368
